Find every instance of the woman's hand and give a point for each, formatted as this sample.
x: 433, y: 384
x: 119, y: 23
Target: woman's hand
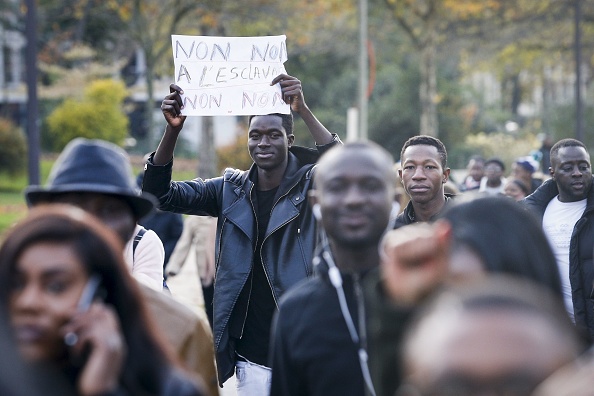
x: 101, y: 343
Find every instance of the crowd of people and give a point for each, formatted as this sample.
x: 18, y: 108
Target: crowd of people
x: 328, y: 270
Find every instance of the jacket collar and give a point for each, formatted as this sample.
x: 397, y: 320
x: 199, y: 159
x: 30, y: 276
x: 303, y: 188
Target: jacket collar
x: 548, y: 190
x: 409, y: 210
x: 294, y: 171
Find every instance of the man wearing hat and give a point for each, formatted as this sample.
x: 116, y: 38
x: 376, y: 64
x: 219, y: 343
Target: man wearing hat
x: 523, y: 168
x: 96, y: 176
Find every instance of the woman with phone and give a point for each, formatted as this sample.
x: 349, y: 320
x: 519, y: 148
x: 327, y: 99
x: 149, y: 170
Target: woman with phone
x: 72, y: 305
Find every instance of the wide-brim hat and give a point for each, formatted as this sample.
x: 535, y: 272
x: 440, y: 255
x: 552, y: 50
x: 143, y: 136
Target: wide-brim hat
x: 93, y: 166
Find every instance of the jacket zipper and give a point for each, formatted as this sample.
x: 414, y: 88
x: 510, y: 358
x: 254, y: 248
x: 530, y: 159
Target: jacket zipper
x: 218, y: 340
x: 273, y: 231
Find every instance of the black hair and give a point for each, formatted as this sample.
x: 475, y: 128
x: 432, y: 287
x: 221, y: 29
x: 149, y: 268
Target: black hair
x: 497, y: 161
x: 287, y: 121
x: 100, y: 251
x: 565, y: 143
x: 506, y: 236
x: 502, y: 292
x: 428, y: 141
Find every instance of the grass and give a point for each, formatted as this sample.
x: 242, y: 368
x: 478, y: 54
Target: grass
x: 12, y: 200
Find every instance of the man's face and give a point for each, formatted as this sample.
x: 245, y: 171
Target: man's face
x: 355, y: 195
x: 493, y: 172
x: 113, y: 211
x: 492, y: 352
x: 268, y: 142
x: 476, y: 169
x: 422, y: 173
x: 572, y: 172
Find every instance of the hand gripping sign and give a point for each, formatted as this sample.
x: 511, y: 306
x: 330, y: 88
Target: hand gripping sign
x: 230, y: 75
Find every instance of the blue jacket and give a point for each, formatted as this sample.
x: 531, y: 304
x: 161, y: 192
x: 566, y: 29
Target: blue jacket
x: 287, y: 249
x: 581, y: 264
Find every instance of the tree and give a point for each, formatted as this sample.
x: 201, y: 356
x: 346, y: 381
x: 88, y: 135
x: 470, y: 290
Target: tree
x: 13, y: 148
x: 150, y: 24
x: 428, y: 23
x: 98, y: 115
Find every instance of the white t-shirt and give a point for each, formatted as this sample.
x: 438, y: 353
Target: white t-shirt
x: 558, y: 223
x: 484, y: 188
x: 146, y: 265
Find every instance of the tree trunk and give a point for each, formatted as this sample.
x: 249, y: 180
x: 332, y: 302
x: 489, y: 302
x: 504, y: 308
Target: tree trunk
x: 428, y: 90
x: 207, y: 157
x: 150, y: 143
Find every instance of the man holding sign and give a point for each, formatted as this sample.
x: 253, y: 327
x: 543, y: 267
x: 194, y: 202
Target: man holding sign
x: 266, y: 230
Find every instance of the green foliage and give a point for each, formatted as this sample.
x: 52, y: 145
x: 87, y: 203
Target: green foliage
x: 98, y: 115
x: 235, y: 155
x: 13, y: 149
x: 12, y: 199
x: 562, y: 123
x: 394, y: 107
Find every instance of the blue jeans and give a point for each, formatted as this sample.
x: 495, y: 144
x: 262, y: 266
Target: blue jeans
x: 252, y: 379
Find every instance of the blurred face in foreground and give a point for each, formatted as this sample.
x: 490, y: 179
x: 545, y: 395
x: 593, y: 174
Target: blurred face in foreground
x: 355, y: 192
x: 487, y: 352
x: 48, y: 282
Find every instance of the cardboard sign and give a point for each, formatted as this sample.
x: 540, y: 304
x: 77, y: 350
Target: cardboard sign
x: 229, y: 75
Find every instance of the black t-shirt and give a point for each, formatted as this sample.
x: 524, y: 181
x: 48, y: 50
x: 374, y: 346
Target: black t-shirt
x: 254, y: 343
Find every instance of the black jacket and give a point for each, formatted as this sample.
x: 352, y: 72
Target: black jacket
x: 386, y: 326
x: 408, y: 214
x: 581, y: 265
x: 312, y: 352
x: 287, y: 249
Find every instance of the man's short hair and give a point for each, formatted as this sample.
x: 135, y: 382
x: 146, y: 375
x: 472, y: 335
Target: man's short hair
x: 286, y: 118
x: 565, y: 143
x: 427, y: 141
x: 496, y: 161
x: 358, y: 147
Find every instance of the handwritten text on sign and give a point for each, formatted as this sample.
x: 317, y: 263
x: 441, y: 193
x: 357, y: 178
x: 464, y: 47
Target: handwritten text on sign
x: 229, y: 75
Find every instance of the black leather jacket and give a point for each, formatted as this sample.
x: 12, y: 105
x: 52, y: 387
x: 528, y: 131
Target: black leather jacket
x: 287, y: 249
x: 407, y: 216
x: 581, y: 264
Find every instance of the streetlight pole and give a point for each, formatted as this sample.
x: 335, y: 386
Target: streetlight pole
x: 363, y: 69
x: 32, y: 106
x: 579, y: 112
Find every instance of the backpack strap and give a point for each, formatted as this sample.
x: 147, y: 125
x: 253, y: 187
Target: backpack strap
x: 137, y: 239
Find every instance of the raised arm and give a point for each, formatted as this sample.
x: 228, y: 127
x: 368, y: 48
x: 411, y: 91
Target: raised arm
x: 171, y: 108
x: 293, y: 95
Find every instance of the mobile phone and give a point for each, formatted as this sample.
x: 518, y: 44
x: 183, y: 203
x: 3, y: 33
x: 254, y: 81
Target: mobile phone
x: 89, y: 293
